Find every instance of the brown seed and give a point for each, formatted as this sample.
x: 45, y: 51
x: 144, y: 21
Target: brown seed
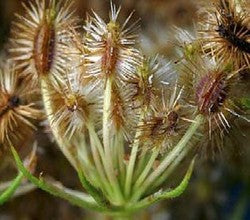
x: 44, y: 46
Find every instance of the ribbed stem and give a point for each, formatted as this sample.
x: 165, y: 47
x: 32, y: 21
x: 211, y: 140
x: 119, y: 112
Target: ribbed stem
x: 107, y: 141
x: 171, y: 168
x: 169, y: 158
x: 131, y: 165
x: 147, y: 169
x: 98, y: 161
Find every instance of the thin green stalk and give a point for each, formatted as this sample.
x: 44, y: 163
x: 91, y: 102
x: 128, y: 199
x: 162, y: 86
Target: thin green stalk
x: 141, y: 163
x: 8, y: 193
x: 169, y: 158
x: 74, y: 197
x: 131, y: 164
x: 147, y: 169
x: 85, y: 164
x: 119, y: 144
x: 106, y: 141
x: 146, y: 202
x: 96, y: 194
x: 171, y: 168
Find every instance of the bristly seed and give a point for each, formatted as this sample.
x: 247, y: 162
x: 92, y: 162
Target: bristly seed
x: 44, y: 46
x: 230, y: 34
x: 211, y: 92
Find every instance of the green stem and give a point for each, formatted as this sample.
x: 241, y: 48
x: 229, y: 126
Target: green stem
x: 171, y: 168
x: 166, y: 194
x: 131, y: 165
x: 169, y: 158
x: 78, y: 199
x: 8, y: 193
x: 96, y: 194
x: 146, y: 169
x: 119, y: 144
x: 142, y: 162
x: 99, y: 159
x: 107, y: 141
x: 74, y: 197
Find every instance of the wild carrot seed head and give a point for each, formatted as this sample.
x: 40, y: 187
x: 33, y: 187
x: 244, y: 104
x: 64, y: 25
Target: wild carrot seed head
x: 18, y: 110
x: 224, y: 32
x: 39, y: 38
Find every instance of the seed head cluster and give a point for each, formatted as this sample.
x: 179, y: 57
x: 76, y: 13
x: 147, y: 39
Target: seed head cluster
x: 113, y: 110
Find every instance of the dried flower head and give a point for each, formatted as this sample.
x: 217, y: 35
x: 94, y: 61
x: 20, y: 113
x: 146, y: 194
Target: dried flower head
x: 111, y: 46
x: 152, y: 75
x: 17, y: 110
x: 72, y: 106
x: 188, y: 45
x: 39, y: 38
x: 210, y: 87
x: 164, y: 126
x: 225, y: 32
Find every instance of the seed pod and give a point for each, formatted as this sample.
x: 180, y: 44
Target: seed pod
x: 111, y: 46
x: 225, y: 32
x: 165, y: 125
x: 211, y: 89
x: 17, y: 110
x: 152, y: 75
x: 39, y: 39
x: 71, y: 105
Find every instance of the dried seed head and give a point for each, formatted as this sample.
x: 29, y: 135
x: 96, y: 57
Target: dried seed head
x: 72, y: 105
x: 123, y: 115
x: 225, y: 32
x: 211, y: 88
x: 211, y: 92
x: 111, y: 47
x: 17, y: 109
x: 39, y: 38
x: 164, y: 126
x: 188, y: 45
x: 151, y: 76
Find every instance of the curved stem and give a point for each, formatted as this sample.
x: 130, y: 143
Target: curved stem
x: 79, y: 199
x: 167, y: 194
x: 171, y: 168
x: 8, y: 193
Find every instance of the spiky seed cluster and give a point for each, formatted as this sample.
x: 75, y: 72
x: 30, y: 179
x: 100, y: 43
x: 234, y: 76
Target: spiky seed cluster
x: 111, y: 54
x: 111, y: 46
x: 211, y: 85
x: 17, y: 110
x: 165, y: 124
x: 225, y: 32
x: 38, y: 39
x: 152, y: 75
x: 73, y: 105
